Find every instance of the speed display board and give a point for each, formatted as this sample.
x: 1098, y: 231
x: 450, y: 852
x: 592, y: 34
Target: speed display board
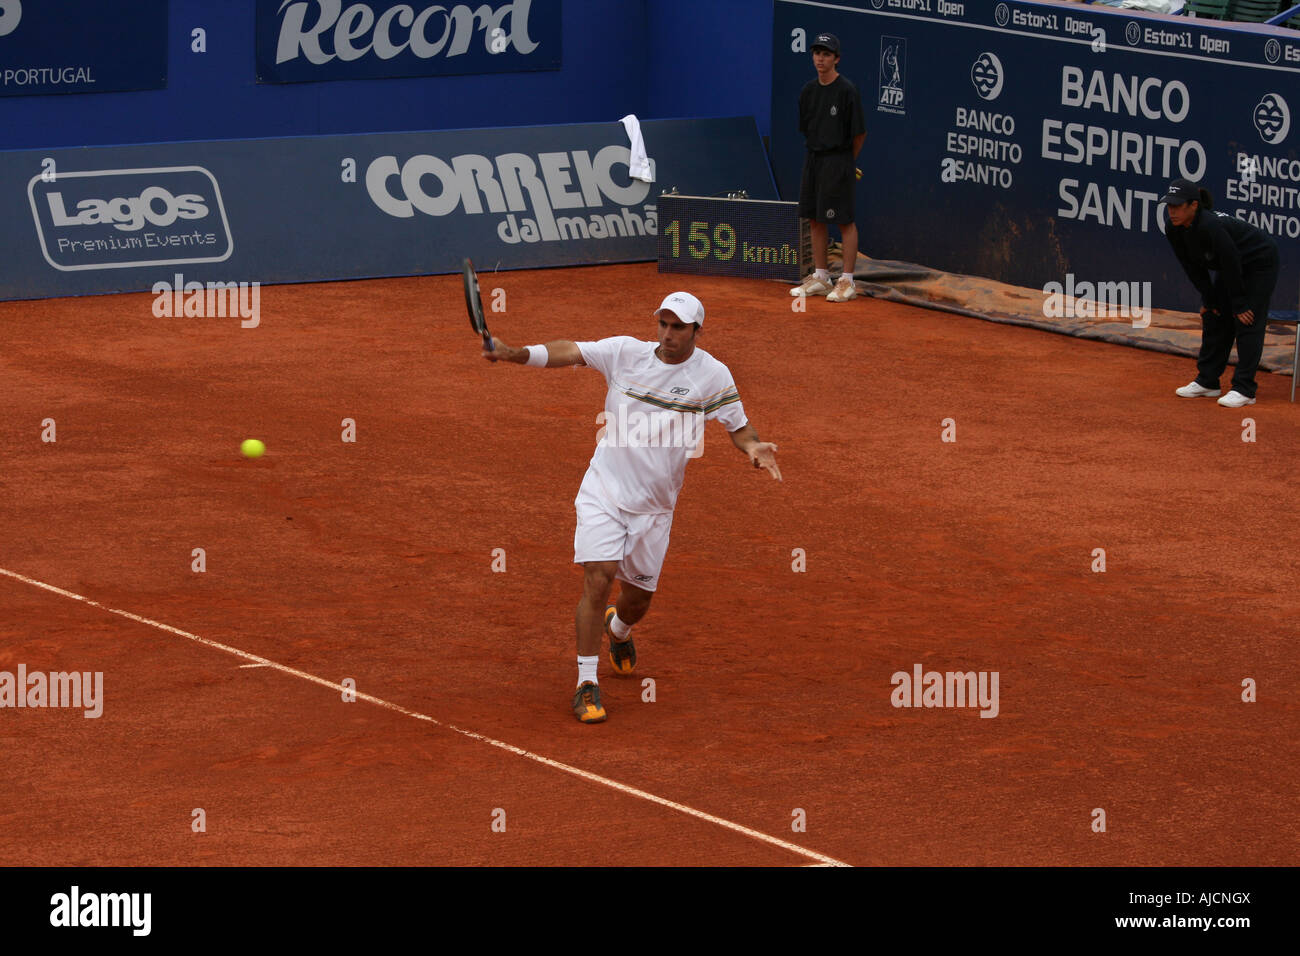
x: 748, y: 238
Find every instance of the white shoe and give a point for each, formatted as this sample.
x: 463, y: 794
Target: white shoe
x: 811, y: 286
x: 1194, y: 390
x: 844, y: 290
x: 1235, y: 399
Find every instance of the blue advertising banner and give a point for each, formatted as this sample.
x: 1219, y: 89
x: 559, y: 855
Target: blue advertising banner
x: 82, y: 46
x: 1029, y: 143
x: 302, y: 41
x: 118, y: 219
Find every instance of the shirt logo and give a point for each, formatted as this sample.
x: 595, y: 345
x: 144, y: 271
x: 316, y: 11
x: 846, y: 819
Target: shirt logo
x: 834, y: 110
x: 680, y: 391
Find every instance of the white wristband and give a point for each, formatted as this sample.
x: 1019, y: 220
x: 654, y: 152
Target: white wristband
x: 538, y: 356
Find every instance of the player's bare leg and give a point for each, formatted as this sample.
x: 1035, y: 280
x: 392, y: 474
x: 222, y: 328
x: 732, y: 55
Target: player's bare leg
x: 598, y: 578
x: 633, y: 602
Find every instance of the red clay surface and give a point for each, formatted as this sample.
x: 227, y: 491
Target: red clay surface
x: 1118, y: 690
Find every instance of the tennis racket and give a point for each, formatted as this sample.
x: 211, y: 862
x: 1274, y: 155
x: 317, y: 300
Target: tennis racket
x: 474, y: 304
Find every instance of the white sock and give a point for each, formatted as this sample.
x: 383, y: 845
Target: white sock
x: 824, y: 275
x: 587, y: 669
x: 618, y: 628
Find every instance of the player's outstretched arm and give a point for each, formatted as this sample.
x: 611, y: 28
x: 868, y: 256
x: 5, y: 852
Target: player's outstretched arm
x: 559, y: 353
x: 761, y: 453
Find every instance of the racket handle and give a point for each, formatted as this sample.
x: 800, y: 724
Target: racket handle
x: 487, y: 343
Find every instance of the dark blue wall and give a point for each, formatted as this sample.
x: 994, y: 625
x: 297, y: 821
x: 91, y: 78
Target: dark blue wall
x: 655, y: 58
x: 710, y: 58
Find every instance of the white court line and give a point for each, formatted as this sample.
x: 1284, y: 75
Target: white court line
x: 397, y: 708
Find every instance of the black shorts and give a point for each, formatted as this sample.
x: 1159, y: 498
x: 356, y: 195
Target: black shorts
x: 826, y: 190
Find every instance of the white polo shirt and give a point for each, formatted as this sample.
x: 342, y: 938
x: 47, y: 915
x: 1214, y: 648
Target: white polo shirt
x: 654, y: 420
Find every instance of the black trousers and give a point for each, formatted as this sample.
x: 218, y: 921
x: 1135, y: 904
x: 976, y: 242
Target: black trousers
x: 1219, y: 330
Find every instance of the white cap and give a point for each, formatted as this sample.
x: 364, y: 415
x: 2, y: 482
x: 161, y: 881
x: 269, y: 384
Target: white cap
x: 685, y: 306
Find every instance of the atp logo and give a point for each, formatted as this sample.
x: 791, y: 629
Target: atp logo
x: 986, y: 74
x: 1002, y: 14
x: 893, y: 72
x: 11, y: 12
x: 1272, y: 118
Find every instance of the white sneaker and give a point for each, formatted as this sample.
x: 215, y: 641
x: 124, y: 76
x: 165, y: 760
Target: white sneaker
x: 1235, y: 399
x: 1194, y: 390
x: 844, y: 290
x: 811, y: 286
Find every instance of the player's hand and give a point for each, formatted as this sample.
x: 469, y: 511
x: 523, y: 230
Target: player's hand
x: 499, y: 350
x: 763, y: 455
x: 1247, y: 317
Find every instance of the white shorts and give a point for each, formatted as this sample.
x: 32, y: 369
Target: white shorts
x: 606, y: 532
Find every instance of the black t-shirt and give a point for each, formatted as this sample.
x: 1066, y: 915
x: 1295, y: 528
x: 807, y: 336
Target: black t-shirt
x: 1227, y: 245
x: 830, y: 116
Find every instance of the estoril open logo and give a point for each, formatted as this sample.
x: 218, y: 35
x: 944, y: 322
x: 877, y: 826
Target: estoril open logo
x: 11, y: 11
x: 538, y: 186
x: 126, y: 218
x: 321, y: 30
x: 1272, y: 118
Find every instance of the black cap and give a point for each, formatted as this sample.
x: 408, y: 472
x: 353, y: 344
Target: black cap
x: 1181, y: 191
x: 827, y: 41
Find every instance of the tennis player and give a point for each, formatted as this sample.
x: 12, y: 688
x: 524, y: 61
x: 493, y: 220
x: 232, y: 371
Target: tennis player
x: 660, y: 394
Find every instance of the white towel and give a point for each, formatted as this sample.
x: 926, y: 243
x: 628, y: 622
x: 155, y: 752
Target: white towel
x: 639, y: 165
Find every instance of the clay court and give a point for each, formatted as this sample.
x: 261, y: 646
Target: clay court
x: 372, y: 560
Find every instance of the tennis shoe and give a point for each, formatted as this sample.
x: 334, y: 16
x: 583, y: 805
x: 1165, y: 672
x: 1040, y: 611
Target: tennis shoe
x: 844, y: 290
x: 1195, y: 390
x: 622, y: 654
x: 586, y: 703
x: 811, y: 286
x: 1235, y: 399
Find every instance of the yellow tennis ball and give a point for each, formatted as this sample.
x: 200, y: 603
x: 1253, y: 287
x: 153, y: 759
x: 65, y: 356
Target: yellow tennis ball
x: 252, y: 448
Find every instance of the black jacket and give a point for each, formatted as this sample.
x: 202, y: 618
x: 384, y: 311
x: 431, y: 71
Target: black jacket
x: 830, y: 116
x: 1229, y: 246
